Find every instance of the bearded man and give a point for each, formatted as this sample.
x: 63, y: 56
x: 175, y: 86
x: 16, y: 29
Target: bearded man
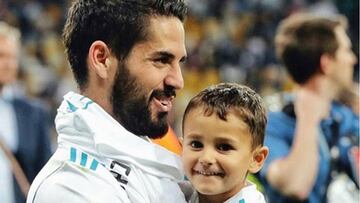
x: 125, y: 56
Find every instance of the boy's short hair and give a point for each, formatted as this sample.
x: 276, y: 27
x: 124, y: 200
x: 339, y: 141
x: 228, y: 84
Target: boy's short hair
x: 225, y: 98
x: 302, y: 39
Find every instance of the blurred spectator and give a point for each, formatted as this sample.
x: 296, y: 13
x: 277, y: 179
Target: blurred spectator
x: 24, y: 124
x: 311, y: 136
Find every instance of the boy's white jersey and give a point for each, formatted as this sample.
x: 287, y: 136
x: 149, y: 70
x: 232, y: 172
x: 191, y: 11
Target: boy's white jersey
x: 248, y: 194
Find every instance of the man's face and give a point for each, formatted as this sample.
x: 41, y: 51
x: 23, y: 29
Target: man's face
x: 8, y: 60
x: 145, y: 84
x: 342, y: 65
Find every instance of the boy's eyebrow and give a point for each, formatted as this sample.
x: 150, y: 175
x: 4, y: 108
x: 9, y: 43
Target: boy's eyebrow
x: 194, y: 136
x: 223, y: 139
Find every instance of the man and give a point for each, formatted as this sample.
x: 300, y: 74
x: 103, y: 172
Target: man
x: 125, y: 56
x: 303, y: 136
x: 24, y: 124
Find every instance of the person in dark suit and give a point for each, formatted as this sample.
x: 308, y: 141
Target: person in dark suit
x: 24, y: 123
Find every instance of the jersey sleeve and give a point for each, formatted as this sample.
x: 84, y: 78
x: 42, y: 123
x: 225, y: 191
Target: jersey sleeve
x: 71, y: 183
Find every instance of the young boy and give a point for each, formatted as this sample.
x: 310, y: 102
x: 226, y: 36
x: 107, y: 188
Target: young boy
x: 223, y: 133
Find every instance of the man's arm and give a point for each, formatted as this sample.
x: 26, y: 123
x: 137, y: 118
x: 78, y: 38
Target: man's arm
x: 67, y: 182
x: 295, y: 174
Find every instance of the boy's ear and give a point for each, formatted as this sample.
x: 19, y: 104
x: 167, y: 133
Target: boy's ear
x: 181, y: 141
x: 258, y: 159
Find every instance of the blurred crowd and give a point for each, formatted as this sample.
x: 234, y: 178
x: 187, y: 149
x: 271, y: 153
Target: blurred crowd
x: 227, y: 40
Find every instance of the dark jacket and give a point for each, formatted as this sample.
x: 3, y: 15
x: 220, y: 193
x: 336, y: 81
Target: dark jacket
x: 34, y: 149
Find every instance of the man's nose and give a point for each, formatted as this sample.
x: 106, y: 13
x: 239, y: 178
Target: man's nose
x: 355, y: 60
x: 174, y: 77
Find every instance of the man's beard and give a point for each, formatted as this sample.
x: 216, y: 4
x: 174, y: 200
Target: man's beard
x: 131, y: 105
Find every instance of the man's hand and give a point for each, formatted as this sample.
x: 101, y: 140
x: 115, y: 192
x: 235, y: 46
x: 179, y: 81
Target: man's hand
x: 310, y: 106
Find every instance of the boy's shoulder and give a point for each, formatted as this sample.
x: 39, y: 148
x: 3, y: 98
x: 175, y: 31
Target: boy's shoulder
x: 248, y: 194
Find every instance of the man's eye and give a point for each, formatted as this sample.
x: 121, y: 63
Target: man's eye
x: 162, y: 60
x: 196, y: 144
x: 224, y: 147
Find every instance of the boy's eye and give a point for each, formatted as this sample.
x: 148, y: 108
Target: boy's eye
x: 196, y: 144
x: 224, y: 147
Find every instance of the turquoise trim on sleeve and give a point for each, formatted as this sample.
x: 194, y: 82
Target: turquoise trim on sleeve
x: 75, y: 153
x: 72, y: 154
x: 87, y: 104
x: 94, y: 165
x: 242, y: 201
x: 72, y: 107
x: 83, y: 159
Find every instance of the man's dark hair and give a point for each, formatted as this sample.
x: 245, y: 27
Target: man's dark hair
x: 302, y: 39
x: 243, y: 102
x: 119, y: 23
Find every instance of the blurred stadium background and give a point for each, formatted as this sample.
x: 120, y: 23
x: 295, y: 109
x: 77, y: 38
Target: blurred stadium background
x: 227, y: 40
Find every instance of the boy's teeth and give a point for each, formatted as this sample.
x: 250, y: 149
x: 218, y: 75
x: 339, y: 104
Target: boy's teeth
x: 207, y: 173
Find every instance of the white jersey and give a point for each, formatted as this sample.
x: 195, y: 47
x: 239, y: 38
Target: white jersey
x: 248, y: 194
x: 98, y: 160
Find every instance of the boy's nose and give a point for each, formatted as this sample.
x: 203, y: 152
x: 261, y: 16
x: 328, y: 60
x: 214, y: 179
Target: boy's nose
x: 207, y: 158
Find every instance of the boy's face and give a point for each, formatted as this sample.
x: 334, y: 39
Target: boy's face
x: 216, y: 154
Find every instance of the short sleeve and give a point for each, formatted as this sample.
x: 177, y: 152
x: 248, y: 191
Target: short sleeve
x: 278, y: 138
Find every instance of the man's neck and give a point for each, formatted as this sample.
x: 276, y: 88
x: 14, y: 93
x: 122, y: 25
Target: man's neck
x: 99, y: 96
x: 320, y: 85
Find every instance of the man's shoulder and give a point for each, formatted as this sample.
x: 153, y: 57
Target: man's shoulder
x: 280, y: 124
x: 69, y: 192
x: 343, y: 113
x: 65, y: 181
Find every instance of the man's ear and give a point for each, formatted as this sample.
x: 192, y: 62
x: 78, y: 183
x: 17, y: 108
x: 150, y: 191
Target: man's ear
x: 259, y: 156
x: 325, y: 61
x: 99, y: 59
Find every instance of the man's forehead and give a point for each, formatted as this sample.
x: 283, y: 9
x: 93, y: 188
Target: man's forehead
x: 342, y: 36
x: 165, y: 37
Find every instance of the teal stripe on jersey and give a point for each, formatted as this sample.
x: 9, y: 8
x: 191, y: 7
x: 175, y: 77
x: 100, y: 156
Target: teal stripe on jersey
x: 94, y: 165
x: 71, y: 107
x: 87, y: 104
x: 83, y: 159
x: 72, y: 154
